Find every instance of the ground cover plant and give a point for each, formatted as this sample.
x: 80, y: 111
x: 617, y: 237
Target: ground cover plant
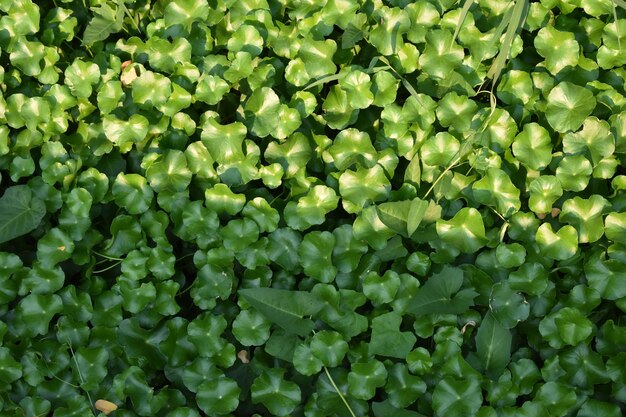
x: 312, y: 208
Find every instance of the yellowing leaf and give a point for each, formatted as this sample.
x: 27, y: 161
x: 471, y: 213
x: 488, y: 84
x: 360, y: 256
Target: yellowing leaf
x: 107, y: 407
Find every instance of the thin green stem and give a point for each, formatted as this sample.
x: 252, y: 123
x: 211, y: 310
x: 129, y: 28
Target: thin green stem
x: 185, y: 256
x: 332, y: 382
x: 617, y: 31
x: 80, y: 374
x: 130, y: 16
x: 112, y: 258
x: 107, y: 268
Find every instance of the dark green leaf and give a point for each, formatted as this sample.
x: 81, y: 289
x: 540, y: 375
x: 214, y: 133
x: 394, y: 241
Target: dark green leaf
x: 285, y: 308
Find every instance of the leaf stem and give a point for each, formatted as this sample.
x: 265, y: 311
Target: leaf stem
x: 332, y: 382
x: 80, y: 374
x: 107, y: 268
x: 130, y: 16
x: 112, y: 258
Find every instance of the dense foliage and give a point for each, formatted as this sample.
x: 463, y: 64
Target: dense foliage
x: 312, y: 207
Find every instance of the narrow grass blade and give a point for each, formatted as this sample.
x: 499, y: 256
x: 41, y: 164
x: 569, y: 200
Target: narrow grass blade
x: 520, y: 11
x: 462, y: 16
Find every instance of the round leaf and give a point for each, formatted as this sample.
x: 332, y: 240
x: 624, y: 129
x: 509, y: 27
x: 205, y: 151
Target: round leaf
x: 568, y: 106
x: 279, y: 396
x: 219, y: 396
x: 364, y: 378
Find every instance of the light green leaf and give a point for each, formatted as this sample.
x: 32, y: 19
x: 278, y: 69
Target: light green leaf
x: 403, y: 217
x: 363, y: 187
x: 464, y: 231
x: 560, y: 245
x: 185, y: 12
x: 497, y: 190
x: 586, y: 216
x: 574, y: 172
x: 533, y: 147
x: 544, y: 192
x: 559, y: 49
x: 105, y: 22
x: 568, y: 105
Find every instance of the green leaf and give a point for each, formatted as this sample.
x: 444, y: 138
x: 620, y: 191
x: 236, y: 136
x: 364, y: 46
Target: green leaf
x: 10, y: 369
x: 596, y: 408
x: 497, y: 190
x: 20, y: 212
x: 507, y: 307
x: 568, y: 105
x: 594, y: 140
x: 385, y: 88
x: 311, y: 209
x: 560, y: 245
x: 440, y: 150
x: 544, y: 192
x: 238, y: 234
x: 403, y: 217
x: 285, y: 308
x: 440, y: 294
x: 357, y: 84
x: 305, y: 362
x: 586, y: 216
x: 262, y: 111
x: 317, y: 57
x: 574, y: 172
x: 27, y: 56
x: 125, y: 133
x: 615, y: 227
x: 151, y: 89
x: 441, y: 55
x: 363, y: 187
x: 533, y: 147
x: 456, y: 111
x: 169, y: 172
x: 251, y: 328
x: 510, y: 255
x: 559, y: 49
x: 464, y: 231
x: 80, y: 77
x: 493, y: 346
x: 457, y: 397
x: 132, y: 193
x: 219, y: 396
x: 329, y: 347
x: 352, y: 146
x: 278, y: 395
x: 606, y: 276
x: 36, y: 312
x: 549, y: 391
x: 403, y: 388
x: 213, y: 281
x: 387, y: 339
x: 364, y: 378
x: 381, y: 289
x: 105, y: 22
x: 573, y: 327
x: 315, y: 253
x: 185, y: 13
